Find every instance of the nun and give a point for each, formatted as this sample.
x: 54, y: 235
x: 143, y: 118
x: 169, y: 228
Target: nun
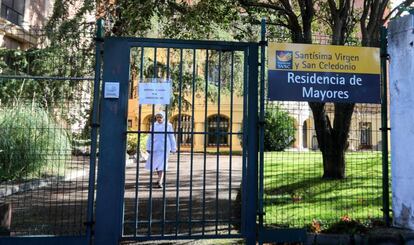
x: 159, y: 145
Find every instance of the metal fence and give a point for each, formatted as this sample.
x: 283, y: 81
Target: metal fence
x: 46, y: 102
x: 295, y: 194
x: 46, y: 96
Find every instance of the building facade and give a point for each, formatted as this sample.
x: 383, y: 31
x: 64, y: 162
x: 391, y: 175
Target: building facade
x: 222, y: 124
x: 20, y: 20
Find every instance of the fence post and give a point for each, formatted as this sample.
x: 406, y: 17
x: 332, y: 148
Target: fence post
x: 94, y: 127
x: 384, y: 129
x: 252, y: 173
x: 112, y: 146
x: 261, y: 120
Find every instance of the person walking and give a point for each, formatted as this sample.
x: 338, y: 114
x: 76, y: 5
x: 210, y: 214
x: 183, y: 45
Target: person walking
x: 159, y: 146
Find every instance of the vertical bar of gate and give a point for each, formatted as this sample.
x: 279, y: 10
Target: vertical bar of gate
x: 251, y: 173
x: 95, y: 125
x: 152, y: 150
x: 218, y: 139
x: 177, y: 199
x: 112, y: 146
x: 205, y: 144
x: 384, y: 128
x: 231, y: 138
x: 141, y: 76
x: 164, y: 204
x: 245, y: 124
x: 261, y: 119
x: 190, y: 205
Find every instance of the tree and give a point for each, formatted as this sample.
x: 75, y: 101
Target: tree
x: 341, y: 17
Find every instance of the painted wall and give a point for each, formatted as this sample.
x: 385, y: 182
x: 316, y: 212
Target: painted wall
x: 401, y: 50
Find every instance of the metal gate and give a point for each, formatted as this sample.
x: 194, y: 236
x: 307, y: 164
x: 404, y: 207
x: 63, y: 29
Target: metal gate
x: 210, y: 187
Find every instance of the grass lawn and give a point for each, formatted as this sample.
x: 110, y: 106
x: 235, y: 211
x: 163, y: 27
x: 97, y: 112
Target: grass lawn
x: 296, y: 195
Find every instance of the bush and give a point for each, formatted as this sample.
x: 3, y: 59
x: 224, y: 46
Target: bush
x: 132, y: 143
x: 279, y: 130
x: 29, y: 140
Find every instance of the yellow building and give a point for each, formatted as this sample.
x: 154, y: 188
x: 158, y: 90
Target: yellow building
x: 227, y: 119
x: 203, y: 122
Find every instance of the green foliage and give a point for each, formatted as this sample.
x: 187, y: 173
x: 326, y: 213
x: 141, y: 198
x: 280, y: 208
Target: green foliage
x: 296, y: 196
x: 279, y: 130
x: 132, y: 143
x: 65, y: 49
x: 29, y: 140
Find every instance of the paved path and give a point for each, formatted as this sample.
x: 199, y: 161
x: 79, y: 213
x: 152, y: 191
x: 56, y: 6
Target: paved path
x: 211, y: 197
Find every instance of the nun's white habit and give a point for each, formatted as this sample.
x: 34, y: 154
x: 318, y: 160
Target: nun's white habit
x: 158, y: 153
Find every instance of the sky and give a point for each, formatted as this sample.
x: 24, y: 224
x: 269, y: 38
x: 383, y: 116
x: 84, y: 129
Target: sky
x: 395, y: 3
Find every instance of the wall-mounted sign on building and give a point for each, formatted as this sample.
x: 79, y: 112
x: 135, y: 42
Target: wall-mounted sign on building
x: 155, y: 92
x: 323, y: 73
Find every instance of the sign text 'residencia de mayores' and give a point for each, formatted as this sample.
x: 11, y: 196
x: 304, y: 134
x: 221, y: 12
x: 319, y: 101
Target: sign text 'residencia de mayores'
x: 323, y: 73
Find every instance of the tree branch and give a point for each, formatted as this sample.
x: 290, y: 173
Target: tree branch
x: 400, y: 9
x: 248, y: 3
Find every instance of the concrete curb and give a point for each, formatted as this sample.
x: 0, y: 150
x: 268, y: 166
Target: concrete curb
x: 8, y: 190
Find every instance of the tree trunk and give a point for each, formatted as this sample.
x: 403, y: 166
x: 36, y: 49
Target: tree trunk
x: 333, y: 141
x: 333, y: 163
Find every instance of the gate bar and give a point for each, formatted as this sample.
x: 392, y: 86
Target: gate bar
x: 218, y: 139
x: 190, y: 221
x: 112, y: 147
x: 252, y: 173
x: 205, y: 141
x: 261, y: 119
x: 164, y: 201
x: 95, y: 125
x: 177, y: 197
x: 384, y: 129
x: 231, y: 137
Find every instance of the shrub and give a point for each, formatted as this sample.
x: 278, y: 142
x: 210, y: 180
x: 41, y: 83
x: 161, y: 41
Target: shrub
x: 279, y: 132
x: 29, y: 140
x: 132, y: 143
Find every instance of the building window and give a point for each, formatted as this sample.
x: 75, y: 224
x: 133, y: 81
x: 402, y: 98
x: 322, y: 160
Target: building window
x: 365, y: 129
x: 185, y: 128
x: 129, y: 123
x: 218, y: 127
x: 13, y: 11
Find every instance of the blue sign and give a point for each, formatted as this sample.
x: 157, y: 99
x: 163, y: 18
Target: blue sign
x: 323, y: 73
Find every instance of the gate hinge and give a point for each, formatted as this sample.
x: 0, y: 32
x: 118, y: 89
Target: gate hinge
x: 95, y: 125
x: 384, y: 129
